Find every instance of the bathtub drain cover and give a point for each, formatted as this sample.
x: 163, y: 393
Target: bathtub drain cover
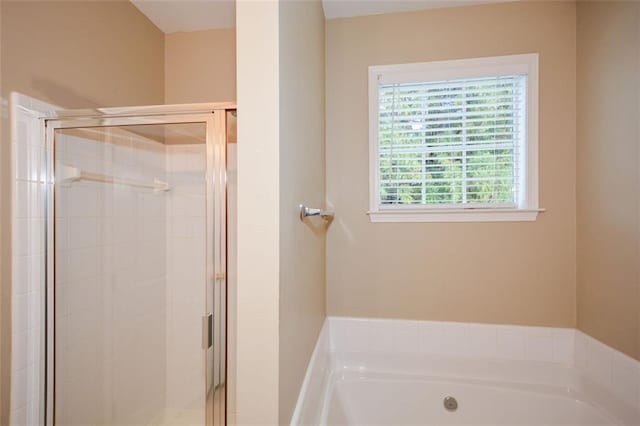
x: 450, y: 403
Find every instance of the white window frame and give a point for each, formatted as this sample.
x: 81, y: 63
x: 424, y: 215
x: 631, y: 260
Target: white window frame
x: 528, y: 207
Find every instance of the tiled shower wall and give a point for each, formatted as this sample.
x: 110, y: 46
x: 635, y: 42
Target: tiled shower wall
x: 110, y: 281
x: 130, y: 280
x: 28, y: 263
x: 185, y: 290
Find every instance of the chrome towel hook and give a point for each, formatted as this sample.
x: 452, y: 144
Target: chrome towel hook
x: 308, y: 212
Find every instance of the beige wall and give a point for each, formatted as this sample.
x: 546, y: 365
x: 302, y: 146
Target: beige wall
x: 302, y: 180
x: 518, y: 273
x: 200, y: 66
x: 281, y: 263
x: 81, y: 54
x: 609, y: 173
x: 74, y: 54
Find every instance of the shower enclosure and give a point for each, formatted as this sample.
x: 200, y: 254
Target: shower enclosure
x: 136, y: 266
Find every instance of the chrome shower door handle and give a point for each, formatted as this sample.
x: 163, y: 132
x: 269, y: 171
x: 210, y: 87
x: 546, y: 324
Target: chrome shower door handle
x: 207, y: 331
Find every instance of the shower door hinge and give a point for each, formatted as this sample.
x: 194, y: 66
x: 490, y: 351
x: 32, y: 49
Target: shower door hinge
x: 218, y: 276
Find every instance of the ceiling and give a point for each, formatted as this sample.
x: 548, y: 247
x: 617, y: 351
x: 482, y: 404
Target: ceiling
x: 348, y: 8
x: 173, y: 16
x: 194, y: 15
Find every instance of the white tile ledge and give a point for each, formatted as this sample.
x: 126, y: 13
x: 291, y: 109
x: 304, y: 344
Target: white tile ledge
x: 466, y: 340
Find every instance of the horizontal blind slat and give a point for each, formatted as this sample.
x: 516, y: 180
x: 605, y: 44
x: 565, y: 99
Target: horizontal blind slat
x: 455, y: 141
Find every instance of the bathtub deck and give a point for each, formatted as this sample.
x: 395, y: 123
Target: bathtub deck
x: 396, y: 372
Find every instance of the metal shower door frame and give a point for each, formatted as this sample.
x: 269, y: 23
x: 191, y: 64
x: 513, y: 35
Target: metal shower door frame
x: 214, y: 332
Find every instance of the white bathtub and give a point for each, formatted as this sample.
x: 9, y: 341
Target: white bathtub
x: 394, y: 399
x: 386, y: 372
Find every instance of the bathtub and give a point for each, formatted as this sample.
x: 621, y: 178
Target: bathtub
x: 358, y: 398
x: 388, y: 372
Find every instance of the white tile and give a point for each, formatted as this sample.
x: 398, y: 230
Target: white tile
x: 36, y: 200
x: 20, y: 312
x: 36, y: 236
x: 82, y: 201
x: 538, y: 344
x: 626, y: 378
x: 152, y: 204
x: 22, y: 198
x: 34, y: 346
x: 19, y: 350
x: 124, y: 202
x: 483, y: 341
x: 20, y: 275
x: 62, y: 233
x: 580, y: 354
x: 33, y: 383
x: 337, y: 334
x: 34, y: 305
x: 83, y: 232
x: 430, y: 337
x: 123, y: 153
x: 62, y: 266
x: 83, y: 263
x: 63, y: 294
x: 18, y: 388
x: 455, y: 339
x: 381, y: 336
x: 22, y: 161
x: 85, y: 295
x: 510, y: 342
x: 33, y: 414
x: 19, y: 416
x: 81, y: 147
x: 638, y: 404
x: 21, y: 237
x: 106, y: 200
x: 357, y: 335
x: 62, y: 331
x: 36, y: 273
x: 181, y: 227
x: 106, y: 229
x: 85, y: 324
x: 406, y: 336
x: 35, y: 158
x: 563, y: 345
x: 36, y: 134
x: 46, y: 172
x: 21, y: 120
x: 61, y: 150
x: 599, y: 362
x: 153, y: 230
x: 61, y: 200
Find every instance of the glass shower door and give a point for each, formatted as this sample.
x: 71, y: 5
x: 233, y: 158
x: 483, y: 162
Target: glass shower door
x: 139, y: 257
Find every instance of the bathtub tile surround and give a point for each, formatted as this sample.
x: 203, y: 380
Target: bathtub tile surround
x: 562, y: 361
x: 614, y: 371
x: 452, y: 339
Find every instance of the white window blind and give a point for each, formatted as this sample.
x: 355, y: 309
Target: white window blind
x: 452, y: 143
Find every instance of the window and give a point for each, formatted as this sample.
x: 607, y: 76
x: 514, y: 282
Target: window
x: 454, y: 140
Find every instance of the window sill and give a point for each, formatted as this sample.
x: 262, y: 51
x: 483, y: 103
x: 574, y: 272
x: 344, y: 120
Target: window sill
x: 455, y: 215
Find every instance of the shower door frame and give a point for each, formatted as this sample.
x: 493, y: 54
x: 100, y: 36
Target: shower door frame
x: 213, y: 115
